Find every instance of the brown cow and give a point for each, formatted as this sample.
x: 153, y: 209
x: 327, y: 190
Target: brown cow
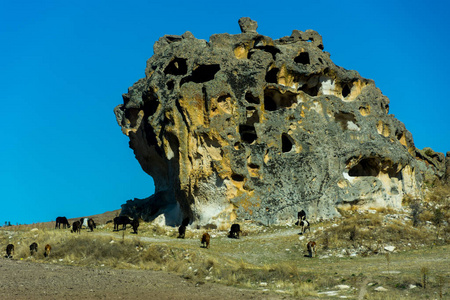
x: 311, y: 247
x: 47, y: 250
x: 205, y: 240
x: 9, y: 250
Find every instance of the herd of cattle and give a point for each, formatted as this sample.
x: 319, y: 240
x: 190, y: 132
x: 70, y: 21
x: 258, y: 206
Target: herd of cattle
x: 235, y: 231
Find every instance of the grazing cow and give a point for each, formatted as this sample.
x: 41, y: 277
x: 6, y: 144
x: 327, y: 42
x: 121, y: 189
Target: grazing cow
x: 205, y: 240
x: 182, y: 228
x: 311, y: 247
x: 84, y: 222
x: 234, y: 231
x: 9, y: 250
x: 76, y: 226
x: 47, y: 250
x: 91, y: 224
x: 33, y: 248
x: 304, y: 224
x: 63, y: 221
x: 135, y: 225
x: 121, y: 220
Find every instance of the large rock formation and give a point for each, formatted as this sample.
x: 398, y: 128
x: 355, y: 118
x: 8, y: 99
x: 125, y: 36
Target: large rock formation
x: 248, y: 127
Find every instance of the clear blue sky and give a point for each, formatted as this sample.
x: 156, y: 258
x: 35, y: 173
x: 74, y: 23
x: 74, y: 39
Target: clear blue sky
x: 65, y: 64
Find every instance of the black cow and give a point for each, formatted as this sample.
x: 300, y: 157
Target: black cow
x: 301, y: 215
x: 33, y: 248
x: 121, y: 220
x: 135, y: 225
x: 76, y: 226
x: 63, y: 221
x: 234, y: 231
x: 9, y: 250
x: 182, y: 228
x: 91, y: 224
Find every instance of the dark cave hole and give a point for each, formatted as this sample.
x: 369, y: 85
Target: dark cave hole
x: 312, y: 91
x: 366, y: 167
x: 237, y: 177
x: 269, y: 103
x: 273, y: 99
x: 286, y: 143
x: 253, y: 166
x: 177, y: 66
x: 345, y: 90
x: 151, y: 102
x: 271, y: 76
x: 303, y: 58
x: 170, y: 85
x: 251, y: 99
x: 248, y: 133
x: 202, y: 73
x: 132, y: 115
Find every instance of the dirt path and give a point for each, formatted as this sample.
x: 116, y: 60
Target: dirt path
x: 25, y: 280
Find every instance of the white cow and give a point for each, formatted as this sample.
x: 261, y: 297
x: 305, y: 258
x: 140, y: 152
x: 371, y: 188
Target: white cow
x: 84, y: 222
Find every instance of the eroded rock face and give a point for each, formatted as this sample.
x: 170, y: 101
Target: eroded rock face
x: 246, y: 127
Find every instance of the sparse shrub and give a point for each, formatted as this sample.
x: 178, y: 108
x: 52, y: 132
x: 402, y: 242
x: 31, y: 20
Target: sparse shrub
x: 416, y: 210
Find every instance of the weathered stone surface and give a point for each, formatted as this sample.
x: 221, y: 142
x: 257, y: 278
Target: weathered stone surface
x: 248, y: 127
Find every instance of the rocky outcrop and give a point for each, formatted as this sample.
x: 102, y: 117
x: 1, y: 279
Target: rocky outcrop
x: 246, y: 127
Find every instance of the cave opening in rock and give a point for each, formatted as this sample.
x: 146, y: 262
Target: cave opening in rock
x: 312, y: 91
x: 151, y: 102
x: 248, y: 133
x: 269, y: 49
x: 202, y: 73
x: 302, y: 58
x: 345, y: 91
x: 344, y: 118
x: 286, y: 143
x: 366, y: 167
x: 237, y: 177
x: 251, y: 99
x: 132, y: 114
x: 177, y: 66
x: 170, y: 85
x: 274, y: 99
x: 271, y: 75
x: 269, y: 103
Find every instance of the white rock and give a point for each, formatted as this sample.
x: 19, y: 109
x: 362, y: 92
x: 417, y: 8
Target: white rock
x: 381, y: 289
x: 389, y: 248
x: 342, y: 286
x: 263, y: 284
x: 412, y: 286
x: 34, y: 229
x: 160, y: 220
x: 301, y: 238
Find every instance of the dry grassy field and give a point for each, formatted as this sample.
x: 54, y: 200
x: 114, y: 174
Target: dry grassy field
x: 351, y: 262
